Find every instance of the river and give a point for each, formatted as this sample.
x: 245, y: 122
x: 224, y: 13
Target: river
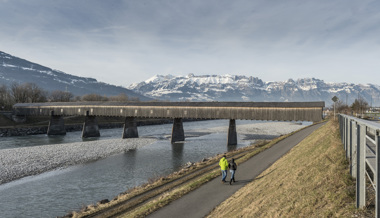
x: 57, y: 192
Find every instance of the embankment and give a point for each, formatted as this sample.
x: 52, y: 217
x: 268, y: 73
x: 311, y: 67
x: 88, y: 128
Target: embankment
x: 312, y: 180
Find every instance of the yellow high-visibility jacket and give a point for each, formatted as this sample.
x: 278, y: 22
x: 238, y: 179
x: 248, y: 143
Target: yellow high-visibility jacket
x: 223, y: 163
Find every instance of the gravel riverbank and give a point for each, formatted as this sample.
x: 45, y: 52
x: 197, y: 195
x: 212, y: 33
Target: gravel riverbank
x: 21, y: 162
x: 17, y: 163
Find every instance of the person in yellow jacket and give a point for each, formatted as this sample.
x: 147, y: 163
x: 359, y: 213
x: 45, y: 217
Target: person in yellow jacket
x: 223, y: 163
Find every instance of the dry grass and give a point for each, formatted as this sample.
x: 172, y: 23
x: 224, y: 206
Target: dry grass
x: 312, y: 180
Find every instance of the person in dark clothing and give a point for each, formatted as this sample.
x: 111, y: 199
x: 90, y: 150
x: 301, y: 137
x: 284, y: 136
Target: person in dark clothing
x: 232, y: 166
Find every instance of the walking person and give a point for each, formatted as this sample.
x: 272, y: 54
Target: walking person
x: 232, y: 166
x: 223, y: 163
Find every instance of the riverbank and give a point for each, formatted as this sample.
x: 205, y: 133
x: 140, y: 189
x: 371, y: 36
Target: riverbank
x: 27, y: 161
x: 17, y: 163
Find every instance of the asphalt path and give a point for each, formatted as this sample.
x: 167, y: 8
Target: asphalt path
x: 203, y: 200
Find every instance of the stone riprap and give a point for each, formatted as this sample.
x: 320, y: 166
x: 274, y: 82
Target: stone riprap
x: 21, y: 162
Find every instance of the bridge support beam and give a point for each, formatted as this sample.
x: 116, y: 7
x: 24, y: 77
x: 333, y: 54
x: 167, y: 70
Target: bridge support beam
x: 232, y: 135
x: 90, y: 127
x: 130, y: 128
x: 177, y: 132
x: 56, y: 125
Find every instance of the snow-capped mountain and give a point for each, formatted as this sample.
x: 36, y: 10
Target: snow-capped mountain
x: 243, y: 88
x: 17, y: 70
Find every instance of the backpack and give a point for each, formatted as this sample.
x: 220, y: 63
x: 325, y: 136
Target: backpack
x: 233, y: 166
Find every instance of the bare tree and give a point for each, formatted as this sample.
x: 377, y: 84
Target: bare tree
x: 19, y: 93
x: 6, y: 101
x: 94, y: 97
x: 36, y: 94
x: 60, y: 96
x: 342, y: 107
x: 27, y: 93
x: 122, y: 97
x: 360, y: 105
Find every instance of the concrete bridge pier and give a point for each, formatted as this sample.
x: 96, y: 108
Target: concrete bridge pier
x: 232, y: 135
x: 90, y: 127
x: 177, y: 132
x: 130, y: 128
x: 56, y: 125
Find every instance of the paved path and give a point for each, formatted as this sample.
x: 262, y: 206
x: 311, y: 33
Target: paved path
x: 203, y: 200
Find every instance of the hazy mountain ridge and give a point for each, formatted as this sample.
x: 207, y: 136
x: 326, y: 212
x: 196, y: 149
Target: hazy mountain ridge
x: 14, y: 69
x: 243, y: 88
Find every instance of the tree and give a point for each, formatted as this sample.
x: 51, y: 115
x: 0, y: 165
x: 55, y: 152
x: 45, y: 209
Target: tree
x: 122, y: 97
x: 359, y: 106
x: 36, y: 94
x: 28, y: 93
x: 60, y: 96
x: 342, y: 107
x: 6, y: 100
x: 94, y: 97
x: 19, y: 93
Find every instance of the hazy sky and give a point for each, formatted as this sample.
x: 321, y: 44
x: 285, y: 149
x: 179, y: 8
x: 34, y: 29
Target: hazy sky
x: 121, y: 42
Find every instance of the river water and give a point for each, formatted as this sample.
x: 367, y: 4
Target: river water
x: 58, y: 192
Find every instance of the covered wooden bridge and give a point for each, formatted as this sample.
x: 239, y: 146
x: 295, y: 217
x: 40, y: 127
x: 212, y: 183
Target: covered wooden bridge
x: 277, y: 111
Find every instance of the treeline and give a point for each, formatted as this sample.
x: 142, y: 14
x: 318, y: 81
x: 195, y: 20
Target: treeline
x: 359, y: 106
x: 32, y: 93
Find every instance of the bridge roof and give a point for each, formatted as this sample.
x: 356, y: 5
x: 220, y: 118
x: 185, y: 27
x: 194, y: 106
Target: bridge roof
x: 179, y: 104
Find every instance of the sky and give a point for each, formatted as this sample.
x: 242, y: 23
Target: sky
x: 124, y: 42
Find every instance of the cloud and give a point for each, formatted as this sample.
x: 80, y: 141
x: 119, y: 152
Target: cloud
x: 137, y: 39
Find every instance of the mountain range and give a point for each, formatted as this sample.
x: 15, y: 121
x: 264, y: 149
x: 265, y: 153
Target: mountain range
x: 17, y: 70
x: 243, y: 88
x: 189, y: 88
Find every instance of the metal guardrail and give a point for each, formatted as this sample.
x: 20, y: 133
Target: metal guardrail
x: 361, y: 142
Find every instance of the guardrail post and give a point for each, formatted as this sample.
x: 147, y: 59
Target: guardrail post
x: 345, y: 135
x: 377, y: 179
x: 340, y: 125
x: 360, y: 179
x: 354, y: 149
x: 349, y: 140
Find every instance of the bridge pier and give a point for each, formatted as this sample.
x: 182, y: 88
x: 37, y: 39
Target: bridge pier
x: 56, y: 125
x: 130, y: 128
x: 177, y: 132
x: 90, y: 127
x: 232, y: 135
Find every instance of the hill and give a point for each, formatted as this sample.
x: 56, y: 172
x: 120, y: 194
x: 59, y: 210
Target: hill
x: 17, y: 70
